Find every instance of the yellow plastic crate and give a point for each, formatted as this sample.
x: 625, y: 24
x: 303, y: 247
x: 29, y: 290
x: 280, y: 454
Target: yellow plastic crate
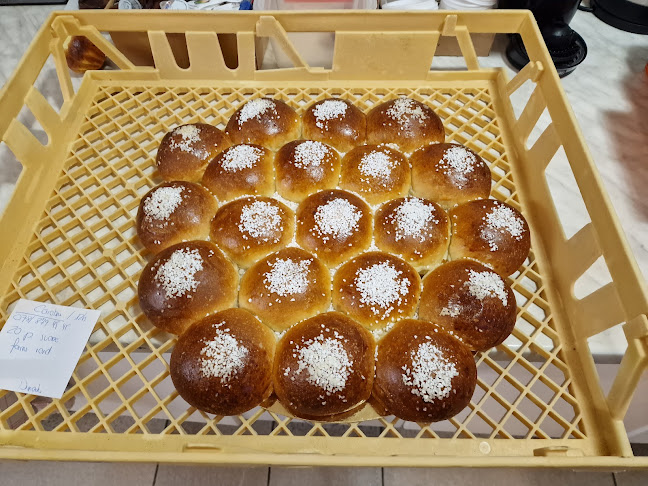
x: 68, y: 238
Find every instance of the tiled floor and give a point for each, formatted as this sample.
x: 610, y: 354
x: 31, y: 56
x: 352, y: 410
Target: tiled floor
x: 97, y: 474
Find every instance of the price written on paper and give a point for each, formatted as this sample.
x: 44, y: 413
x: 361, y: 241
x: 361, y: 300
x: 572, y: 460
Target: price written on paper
x: 35, y: 332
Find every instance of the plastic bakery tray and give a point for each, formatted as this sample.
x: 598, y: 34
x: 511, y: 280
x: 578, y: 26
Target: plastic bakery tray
x: 69, y: 238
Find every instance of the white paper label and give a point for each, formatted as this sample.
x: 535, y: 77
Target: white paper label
x: 40, y: 345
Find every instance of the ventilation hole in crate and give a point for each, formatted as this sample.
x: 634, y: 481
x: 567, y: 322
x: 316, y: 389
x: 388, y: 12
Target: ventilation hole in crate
x: 565, y: 194
x: 453, y: 59
x: 520, y: 298
x: 565, y: 409
x: 49, y: 88
x: 408, y: 429
x: 515, y: 427
x: 443, y: 429
x: 529, y: 409
x: 486, y: 373
x: 541, y: 125
x: 197, y: 428
x: 45, y: 267
x: 38, y: 293
x: 552, y: 428
x: 479, y: 427
x: 86, y: 423
x: 595, y: 277
x: 522, y: 371
x: 335, y: 430
x: 494, y: 409
x: 544, y: 391
x: 507, y: 391
x: 524, y: 326
x: 520, y: 97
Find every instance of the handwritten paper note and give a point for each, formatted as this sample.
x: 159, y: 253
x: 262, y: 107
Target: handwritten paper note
x: 40, y: 345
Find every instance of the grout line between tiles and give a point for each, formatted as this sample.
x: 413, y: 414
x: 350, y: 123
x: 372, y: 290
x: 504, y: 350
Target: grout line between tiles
x: 382, y: 476
x: 614, y: 479
x: 157, y: 466
x: 270, y: 470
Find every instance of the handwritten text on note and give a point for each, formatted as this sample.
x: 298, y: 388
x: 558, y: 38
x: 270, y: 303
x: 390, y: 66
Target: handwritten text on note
x: 40, y: 345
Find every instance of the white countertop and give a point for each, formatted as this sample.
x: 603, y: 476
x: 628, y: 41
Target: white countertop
x: 608, y: 93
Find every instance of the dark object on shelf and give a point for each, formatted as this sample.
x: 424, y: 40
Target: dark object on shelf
x: 566, y: 47
x: 626, y: 15
x: 92, y: 4
x: 31, y: 2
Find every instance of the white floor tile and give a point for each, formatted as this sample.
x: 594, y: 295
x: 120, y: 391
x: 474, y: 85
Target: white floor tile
x: 45, y: 473
x: 325, y: 476
x: 169, y: 475
x: 499, y: 477
x: 634, y: 478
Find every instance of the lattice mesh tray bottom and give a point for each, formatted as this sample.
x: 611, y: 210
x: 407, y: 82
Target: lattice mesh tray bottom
x: 85, y: 253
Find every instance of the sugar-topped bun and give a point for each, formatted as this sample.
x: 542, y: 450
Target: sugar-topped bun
x: 491, y: 232
x: 186, y: 150
x: 377, y: 173
x: 250, y: 228
x: 470, y: 301
x: 422, y: 373
x: 223, y: 363
x: 449, y: 174
x: 264, y: 121
x: 337, y: 122
x: 286, y: 287
x: 304, y: 167
x: 241, y: 170
x: 335, y: 225
x: 324, y: 366
x: 376, y: 288
x: 173, y: 212
x: 404, y: 122
x: 416, y: 229
x: 184, y: 283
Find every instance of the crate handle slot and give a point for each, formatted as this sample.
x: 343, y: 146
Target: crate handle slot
x: 461, y: 32
x: 532, y: 71
x: 66, y: 26
x: 268, y: 26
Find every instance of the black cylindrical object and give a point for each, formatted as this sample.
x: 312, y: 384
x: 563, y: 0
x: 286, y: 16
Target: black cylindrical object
x: 566, y: 47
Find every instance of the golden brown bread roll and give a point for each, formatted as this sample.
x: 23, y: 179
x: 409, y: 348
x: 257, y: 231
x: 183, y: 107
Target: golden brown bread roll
x: 264, y: 121
x: 304, y: 167
x: 250, y: 228
x: 449, y: 174
x: 404, y: 122
x: 324, y: 366
x: 376, y: 288
x: 415, y: 229
x: 335, y: 225
x: 173, y: 212
x: 336, y: 122
x: 422, y: 373
x: 491, y: 232
x: 184, y: 283
x: 186, y: 150
x: 471, y: 302
x: 223, y: 363
x: 241, y: 170
x: 82, y: 55
x: 377, y: 173
x: 286, y: 287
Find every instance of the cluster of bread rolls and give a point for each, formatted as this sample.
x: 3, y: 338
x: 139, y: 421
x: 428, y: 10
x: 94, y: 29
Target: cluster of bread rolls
x: 327, y: 260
